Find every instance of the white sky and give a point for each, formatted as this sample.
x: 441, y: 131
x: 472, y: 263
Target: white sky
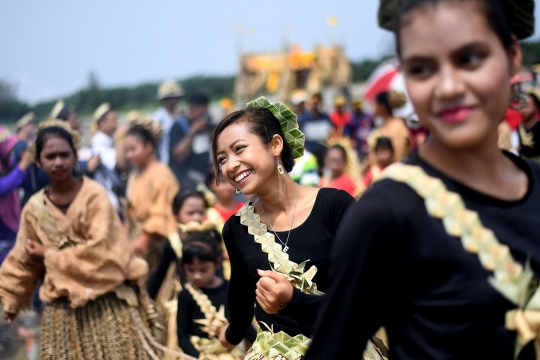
x: 49, y: 47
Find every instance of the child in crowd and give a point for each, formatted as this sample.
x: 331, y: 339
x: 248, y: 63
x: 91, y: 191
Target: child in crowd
x: 335, y: 175
x: 226, y: 204
x: 384, y: 156
x: 202, y: 304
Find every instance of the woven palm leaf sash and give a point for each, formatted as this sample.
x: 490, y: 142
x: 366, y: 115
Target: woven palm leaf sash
x: 512, y: 280
x: 293, y: 271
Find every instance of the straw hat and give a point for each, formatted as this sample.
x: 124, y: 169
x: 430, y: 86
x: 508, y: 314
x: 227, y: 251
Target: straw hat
x: 169, y: 89
x: 101, y: 111
x: 25, y: 120
x: 340, y: 101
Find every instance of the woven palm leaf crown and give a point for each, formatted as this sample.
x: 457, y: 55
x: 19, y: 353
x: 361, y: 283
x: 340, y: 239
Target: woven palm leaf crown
x: 287, y: 120
x: 77, y: 141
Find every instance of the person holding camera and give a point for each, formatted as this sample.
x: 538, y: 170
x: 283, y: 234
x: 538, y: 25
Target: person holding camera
x: 189, y: 144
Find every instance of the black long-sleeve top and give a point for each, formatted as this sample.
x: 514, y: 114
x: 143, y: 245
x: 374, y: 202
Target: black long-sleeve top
x: 189, y: 310
x: 168, y: 256
x: 394, y: 265
x: 310, y: 241
x: 533, y: 150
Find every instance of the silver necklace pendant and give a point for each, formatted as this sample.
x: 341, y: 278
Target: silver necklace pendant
x: 285, y: 249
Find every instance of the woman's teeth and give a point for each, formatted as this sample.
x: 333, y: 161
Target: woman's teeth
x: 242, y: 176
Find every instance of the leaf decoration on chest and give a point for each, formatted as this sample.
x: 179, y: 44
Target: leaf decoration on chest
x: 515, y: 282
x: 294, y: 272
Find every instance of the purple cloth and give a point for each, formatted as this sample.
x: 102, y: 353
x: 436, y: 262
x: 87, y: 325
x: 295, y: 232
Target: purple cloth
x: 10, y: 206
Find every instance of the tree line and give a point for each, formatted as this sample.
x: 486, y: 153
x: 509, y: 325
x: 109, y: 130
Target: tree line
x: 144, y: 95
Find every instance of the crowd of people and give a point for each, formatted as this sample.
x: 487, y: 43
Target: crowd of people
x: 285, y: 231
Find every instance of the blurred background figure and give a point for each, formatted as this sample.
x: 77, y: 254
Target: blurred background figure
x: 105, y: 120
x: 384, y: 156
x: 25, y: 127
x: 169, y: 94
x: 317, y: 127
x: 359, y: 128
x: 334, y: 174
x: 189, y: 143
x: 340, y: 117
x: 391, y: 126
x: 62, y: 112
x: 529, y: 129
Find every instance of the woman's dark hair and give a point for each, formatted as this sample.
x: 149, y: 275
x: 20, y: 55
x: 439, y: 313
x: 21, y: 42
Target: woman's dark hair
x: 261, y: 122
x: 183, y: 195
x: 499, y: 16
x: 53, y: 131
x: 382, y: 98
x: 384, y: 142
x: 342, y: 150
x: 535, y: 100
x: 203, y: 246
x: 143, y: 134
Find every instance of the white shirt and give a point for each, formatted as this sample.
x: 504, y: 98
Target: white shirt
x: 166, y: 120
x: 103, y: 145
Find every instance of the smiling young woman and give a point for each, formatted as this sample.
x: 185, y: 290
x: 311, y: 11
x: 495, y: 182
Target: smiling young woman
x: 267, y: 239
x: 445, y: 237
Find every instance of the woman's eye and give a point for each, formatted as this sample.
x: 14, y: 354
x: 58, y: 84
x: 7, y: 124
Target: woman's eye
x: 238, y: 148
x: 419, y: 70
x: 220, y: 160
x: 471, y: 60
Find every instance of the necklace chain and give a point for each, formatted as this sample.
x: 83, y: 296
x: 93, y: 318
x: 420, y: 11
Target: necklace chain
x: 285, y: 247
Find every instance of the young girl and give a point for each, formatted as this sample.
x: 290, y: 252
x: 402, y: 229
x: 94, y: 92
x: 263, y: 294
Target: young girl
x: 392, y: 127
x: 71, y: 237
x: 384, y: 156
x: 150, y: 192
x: 188, y: 206
x: 335, y: 163
x: 226, y: 204
x: 448, y: 240
x: 270, y: 240
x: 202, y: 304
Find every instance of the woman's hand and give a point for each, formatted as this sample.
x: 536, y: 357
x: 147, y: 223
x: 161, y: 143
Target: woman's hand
x: 140, y: 244
x: 227, y: 345
x: 9, y: 317
x: 34, y: 249
x: 273, y: 292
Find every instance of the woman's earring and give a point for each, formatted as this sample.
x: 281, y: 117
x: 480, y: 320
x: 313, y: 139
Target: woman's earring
x: 279, y: 167
x: 238, y: 191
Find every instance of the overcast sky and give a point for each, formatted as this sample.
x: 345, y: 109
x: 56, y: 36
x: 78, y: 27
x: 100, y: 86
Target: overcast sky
x: 49, y: 47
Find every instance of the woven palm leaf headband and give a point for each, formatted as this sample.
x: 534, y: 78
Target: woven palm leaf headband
x: 289, y: 125
x: 77, y: 141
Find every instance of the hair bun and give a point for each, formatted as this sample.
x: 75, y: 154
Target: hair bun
x: 396, y: 99
x: 148, y: 123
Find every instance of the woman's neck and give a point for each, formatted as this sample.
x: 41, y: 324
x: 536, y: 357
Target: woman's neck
x: 279, y: 195
x: 65, y: 187
x: 144, y: 166
x: 227, y: 204
x: 216, y: 282
x: 484, y: 168
x: 336, y: 176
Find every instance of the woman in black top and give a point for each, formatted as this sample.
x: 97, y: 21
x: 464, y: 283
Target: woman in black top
x: 249, y: 151
x: 443, y: 240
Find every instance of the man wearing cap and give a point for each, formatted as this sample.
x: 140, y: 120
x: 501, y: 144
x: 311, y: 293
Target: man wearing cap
x: 190, y: 141
x: 103, y: 145
x: 340, y: 117
x: 359, y: 128
x: 169, y: 93
x: 25, y: 127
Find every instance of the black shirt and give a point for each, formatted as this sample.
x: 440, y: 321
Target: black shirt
x: 395, y: 266
x: 310, y: 241
x: 532, y: 151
